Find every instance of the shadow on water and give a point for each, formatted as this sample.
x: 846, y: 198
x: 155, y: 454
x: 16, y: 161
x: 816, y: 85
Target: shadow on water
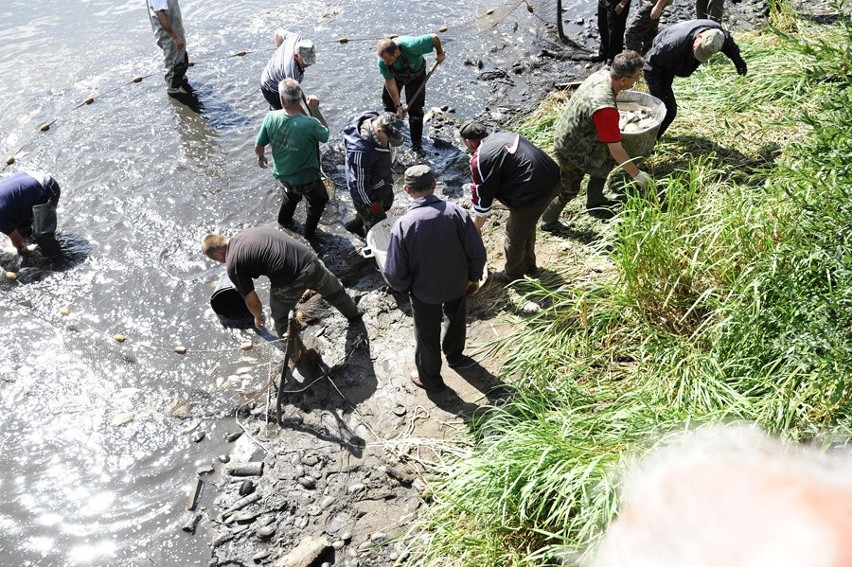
x: 34, y: 267
x: 220, y: 115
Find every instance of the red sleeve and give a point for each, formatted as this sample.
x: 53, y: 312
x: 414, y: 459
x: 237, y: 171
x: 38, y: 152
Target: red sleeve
x: 606, y: 123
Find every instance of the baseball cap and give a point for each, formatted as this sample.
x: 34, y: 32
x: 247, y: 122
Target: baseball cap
x: 710, y: 43
x: 391, y: 125
x: 307, y: 52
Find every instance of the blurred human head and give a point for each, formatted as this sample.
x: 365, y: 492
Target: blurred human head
x: 472, y: 132
x: 708, y: 43
x: 214, y: 246
x: 733, y: 496
x: 390, y: 126
x: 305, y: 53
x: 626, y: 69
x: 419, y: 180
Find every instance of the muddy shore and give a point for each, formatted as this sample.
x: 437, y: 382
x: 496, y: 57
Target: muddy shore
x: 340, y: 477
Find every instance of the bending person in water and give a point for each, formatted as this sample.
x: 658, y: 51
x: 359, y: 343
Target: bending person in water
x: 290, y: 266
x: 28, y: 208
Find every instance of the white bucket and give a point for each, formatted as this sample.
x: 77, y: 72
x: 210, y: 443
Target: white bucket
x: 378, y: 240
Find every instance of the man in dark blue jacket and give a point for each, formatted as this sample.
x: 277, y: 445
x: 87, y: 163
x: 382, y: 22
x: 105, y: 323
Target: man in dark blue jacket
x: 436, y: 255
x: 28, y: 205
x: 368, y: 140
x: 678, y: 51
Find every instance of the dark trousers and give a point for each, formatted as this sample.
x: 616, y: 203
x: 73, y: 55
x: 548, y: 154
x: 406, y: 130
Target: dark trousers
x: 709, y: 10
x: 272, y: 98
x: 519, y: 240
x: 662, y: 89
x: 641, y: 30
x: 365, y: 219
x: 611, y: 28
x: 316, y: 195
x: 415, y: 106
x: 428, y: 319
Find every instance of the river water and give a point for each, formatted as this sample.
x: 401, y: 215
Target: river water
x: 96, y: 459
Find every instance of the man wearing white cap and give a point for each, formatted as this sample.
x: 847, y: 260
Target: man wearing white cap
x: 292, y: 57
x: 678, y: 51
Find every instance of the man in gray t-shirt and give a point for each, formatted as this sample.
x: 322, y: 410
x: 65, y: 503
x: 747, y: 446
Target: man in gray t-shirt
x: 292, y: 57
x: 290, y: 266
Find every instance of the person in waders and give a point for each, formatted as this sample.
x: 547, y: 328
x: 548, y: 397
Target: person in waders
x: 168, y: 29
x: 28, y: 208
x: 292, y: 56
x: 292, y: 268
x: 294, y: 138
x: 587, y: 140
x: 368, y: 140
x: 401, y: 64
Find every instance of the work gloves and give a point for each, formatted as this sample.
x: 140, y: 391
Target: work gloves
x: 642, y: 180
x: 376, y: 208
x: 742, y: 69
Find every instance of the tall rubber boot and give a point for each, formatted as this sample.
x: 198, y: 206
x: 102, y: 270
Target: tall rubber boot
x: 311, y: 221
x: 288, y: 208
x: 44, y: 229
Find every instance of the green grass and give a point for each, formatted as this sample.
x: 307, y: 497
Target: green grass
x: 727, y: 296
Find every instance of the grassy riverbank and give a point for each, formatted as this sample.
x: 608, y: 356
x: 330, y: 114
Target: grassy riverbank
x: 725, y: 294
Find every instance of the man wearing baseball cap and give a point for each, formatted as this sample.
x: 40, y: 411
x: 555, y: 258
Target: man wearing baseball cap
x: 508, y: 168
x: 368, y: 140
x: 436, y: 255
x: 678, y: 51
x: 290, y: 60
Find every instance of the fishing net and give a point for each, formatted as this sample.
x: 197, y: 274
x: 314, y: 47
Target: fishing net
x: 547, y: 12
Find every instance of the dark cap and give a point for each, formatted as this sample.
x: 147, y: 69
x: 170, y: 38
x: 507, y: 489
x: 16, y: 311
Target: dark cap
x: 419, y: 177
x: 473, y: 130
x: 391, y: 125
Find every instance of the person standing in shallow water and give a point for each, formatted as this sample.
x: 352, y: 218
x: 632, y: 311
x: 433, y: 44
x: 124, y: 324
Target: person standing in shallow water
x: 644, y: 25
x: 168, y: 29
x: 292, y: 56
x: 436, y: 255
x: 402, y: 64
x: 294, y: 138
x: 28, y: 206
x: 290, y: 266
x: 612, y: 21
x: 369, y: 175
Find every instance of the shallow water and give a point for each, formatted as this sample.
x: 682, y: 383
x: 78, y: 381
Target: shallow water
x: 95, y: 468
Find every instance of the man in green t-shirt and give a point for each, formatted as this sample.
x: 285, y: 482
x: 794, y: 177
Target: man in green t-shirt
x: 293, y: 137
x: 402, y: 64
